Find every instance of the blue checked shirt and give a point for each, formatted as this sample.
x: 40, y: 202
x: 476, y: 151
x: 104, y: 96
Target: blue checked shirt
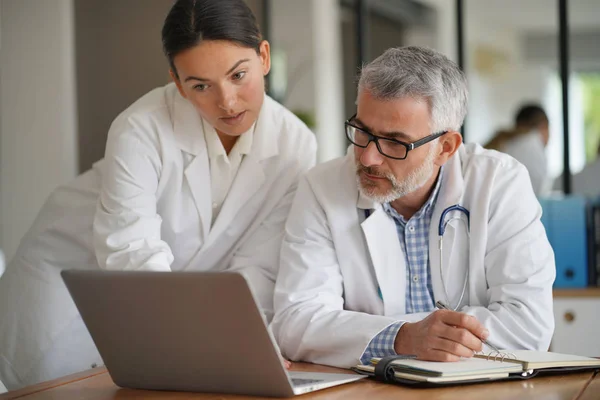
x: 414, y: 240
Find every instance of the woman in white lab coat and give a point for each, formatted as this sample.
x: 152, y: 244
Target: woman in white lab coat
x: 198, y: 175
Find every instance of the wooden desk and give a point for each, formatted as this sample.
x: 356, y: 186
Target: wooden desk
x: 97, y: 385
x: 592, y: 292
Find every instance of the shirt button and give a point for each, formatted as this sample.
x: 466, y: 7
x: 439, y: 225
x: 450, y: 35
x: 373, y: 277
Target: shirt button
x: 415, y: 278
x: 214, y: 205
x: 411, y: 228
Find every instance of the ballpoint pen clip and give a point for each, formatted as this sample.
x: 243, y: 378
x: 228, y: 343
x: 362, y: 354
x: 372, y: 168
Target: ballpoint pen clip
x: 441, y: 305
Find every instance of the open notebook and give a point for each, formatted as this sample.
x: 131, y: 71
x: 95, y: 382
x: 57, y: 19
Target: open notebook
x: 523, y: 364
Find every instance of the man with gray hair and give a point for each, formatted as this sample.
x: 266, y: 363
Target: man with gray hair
x: 411, y: 217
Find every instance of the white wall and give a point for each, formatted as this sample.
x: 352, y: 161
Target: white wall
x: 526, y: 70
x: 503, y: 73
x: 292, y: 39
x: 499, y: 79
x: 494, y: 95
x: 307, y: 35
x: 329, y: 93
x: 114, y: 39
x: 37, y: 110
x: 442, y: 36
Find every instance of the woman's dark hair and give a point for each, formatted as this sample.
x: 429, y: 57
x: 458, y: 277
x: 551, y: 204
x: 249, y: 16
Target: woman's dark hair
x: 191, y: 21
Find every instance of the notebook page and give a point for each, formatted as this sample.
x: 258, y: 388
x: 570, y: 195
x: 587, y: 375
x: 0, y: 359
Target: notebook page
x: 456, y: 378
x: 463, y: 367
x: 544, y: 359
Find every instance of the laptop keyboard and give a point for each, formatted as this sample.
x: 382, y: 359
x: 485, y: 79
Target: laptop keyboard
x: 303, y: 382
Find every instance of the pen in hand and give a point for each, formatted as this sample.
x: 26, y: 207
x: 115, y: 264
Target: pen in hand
x: 442, y: 306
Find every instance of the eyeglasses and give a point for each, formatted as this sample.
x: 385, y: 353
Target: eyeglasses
x: 388, y: 147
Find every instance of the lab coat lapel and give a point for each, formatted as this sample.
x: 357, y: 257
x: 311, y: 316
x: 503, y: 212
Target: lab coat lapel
x: 252, y: 172
x: 189, y: 135
x: 386, y: 255
x: 451, y: 191
x: 249, y: 179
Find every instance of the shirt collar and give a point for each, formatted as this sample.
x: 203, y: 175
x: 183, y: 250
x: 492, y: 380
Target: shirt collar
x: 215, y: 148
x: 244, y: 143
x: 434, y: 195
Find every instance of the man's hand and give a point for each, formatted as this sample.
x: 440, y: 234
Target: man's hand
x: 443, y: 336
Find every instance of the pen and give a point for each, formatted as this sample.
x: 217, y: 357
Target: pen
x: 442, y: 306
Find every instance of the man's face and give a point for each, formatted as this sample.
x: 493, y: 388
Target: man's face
x: 384, y: 179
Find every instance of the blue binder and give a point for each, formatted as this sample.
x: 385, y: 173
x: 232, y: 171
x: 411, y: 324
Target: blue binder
x: 565, y: 220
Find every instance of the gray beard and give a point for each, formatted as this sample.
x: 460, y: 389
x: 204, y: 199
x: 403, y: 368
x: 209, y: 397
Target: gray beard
x: 414, y: 181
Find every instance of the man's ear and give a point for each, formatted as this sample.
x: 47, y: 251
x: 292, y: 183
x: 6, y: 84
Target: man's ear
x: 449, y: 144
x: 178, y: 83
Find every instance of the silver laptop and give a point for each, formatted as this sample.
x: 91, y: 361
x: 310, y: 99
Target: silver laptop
x: 186, y: 331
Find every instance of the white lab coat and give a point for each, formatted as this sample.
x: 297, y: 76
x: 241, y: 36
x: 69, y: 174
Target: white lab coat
x: 327, y: 308
x: 157, y: 161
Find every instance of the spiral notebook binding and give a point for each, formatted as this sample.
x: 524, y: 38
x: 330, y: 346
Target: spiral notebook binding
x: 500, y: 355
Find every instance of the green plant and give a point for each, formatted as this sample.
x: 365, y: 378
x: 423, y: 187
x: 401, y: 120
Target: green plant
x: 307, y: 117
x: 591, y: 101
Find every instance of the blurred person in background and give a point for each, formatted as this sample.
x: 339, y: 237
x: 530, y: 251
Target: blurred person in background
x: 527, y: 142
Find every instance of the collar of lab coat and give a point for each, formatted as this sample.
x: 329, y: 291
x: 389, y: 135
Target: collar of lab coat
x: 453, y: 183
x: 451, y: 193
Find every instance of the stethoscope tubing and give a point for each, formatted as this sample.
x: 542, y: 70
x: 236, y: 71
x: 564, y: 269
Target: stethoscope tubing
x: 441, y: 230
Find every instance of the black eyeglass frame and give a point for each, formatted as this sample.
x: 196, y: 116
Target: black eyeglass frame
x: 375, y: 138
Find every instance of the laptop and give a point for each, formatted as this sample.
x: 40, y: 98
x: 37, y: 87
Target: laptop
x: 186, y: 331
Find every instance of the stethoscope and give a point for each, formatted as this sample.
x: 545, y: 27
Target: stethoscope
x: 441, y: 229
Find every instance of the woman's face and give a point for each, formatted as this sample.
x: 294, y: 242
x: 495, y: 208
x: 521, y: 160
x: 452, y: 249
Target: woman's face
x: 225, y: 82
